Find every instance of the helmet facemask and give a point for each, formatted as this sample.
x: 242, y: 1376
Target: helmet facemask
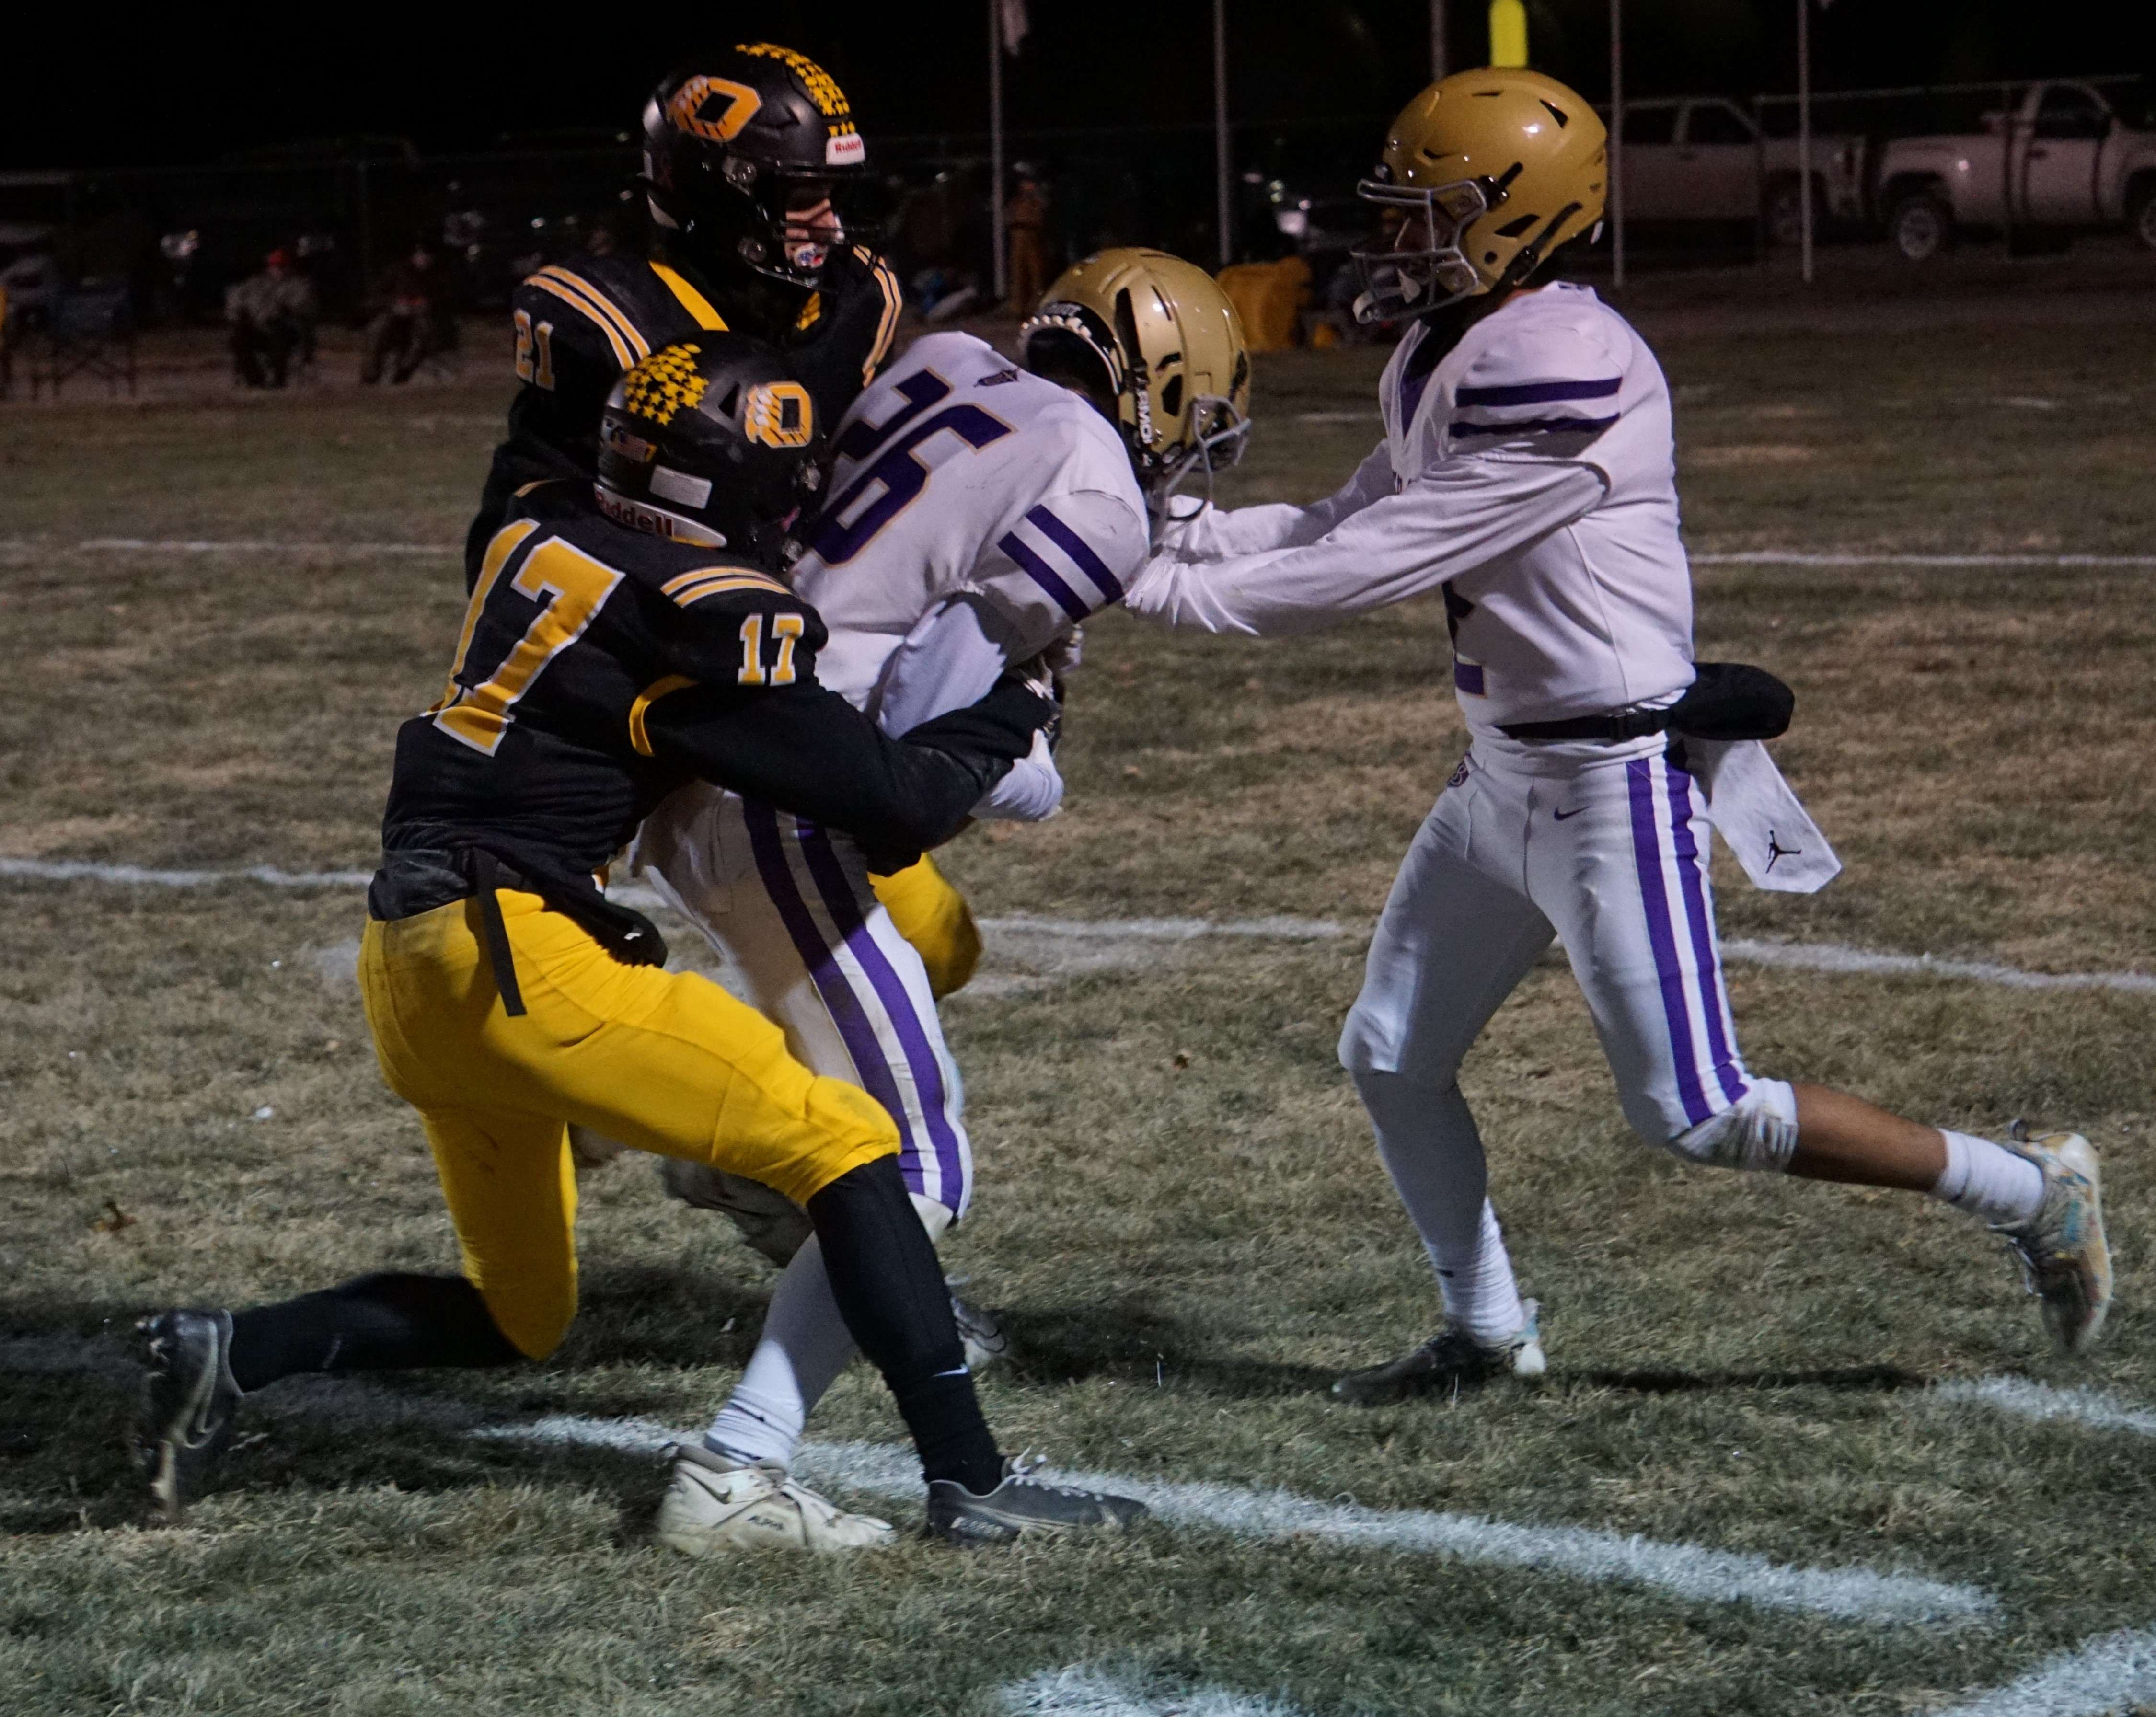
x: 1407, y: 277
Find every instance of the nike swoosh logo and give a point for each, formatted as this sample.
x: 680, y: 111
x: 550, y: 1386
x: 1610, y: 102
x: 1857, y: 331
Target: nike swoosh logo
x: 1560, y: 815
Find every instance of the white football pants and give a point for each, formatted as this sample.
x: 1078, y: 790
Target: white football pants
x: 1603, y: 847
x: 788, y: 905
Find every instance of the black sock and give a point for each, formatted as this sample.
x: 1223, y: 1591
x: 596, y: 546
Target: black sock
x: 385, y: 1322
x: 890, y: 1291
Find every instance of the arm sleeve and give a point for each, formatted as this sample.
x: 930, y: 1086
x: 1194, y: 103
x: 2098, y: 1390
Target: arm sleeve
x: 807, y: 751
x: 1068, y: 557
x: 1461, y: 514
x: 1211, y: 535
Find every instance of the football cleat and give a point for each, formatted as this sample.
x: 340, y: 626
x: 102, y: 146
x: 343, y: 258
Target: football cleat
x: 188, y: 1401
x: 982, y: 1336
x: 714, y: 1506
x: 1021, y: 1506
x: 2064, y: 1261
x: 1449, y: 1360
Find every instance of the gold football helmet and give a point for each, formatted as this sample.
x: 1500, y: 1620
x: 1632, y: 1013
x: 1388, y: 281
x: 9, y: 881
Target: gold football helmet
x: 1171, y: 346
x: 1490, y: 172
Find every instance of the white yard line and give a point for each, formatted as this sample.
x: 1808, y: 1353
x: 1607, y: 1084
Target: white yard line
x: 1686, y: 1570
x: 2104, y: 1675
x: 1832, y: 957
x: 1740, y: 557
x: 1080, y: 1692
x: 1860, y: 557
x: 2024, y: 1399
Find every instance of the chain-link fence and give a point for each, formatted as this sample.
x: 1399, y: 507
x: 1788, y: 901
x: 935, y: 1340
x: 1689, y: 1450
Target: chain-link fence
x: 1705, y: 177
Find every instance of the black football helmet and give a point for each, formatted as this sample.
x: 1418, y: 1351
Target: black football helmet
x: 731, y: 141
x: 710, y: 441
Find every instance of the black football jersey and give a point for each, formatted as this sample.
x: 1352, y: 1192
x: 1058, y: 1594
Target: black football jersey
x: 579, y: 324
x: 599, y: 668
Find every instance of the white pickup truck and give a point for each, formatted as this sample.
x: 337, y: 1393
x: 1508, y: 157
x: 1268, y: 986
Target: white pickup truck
x: 2062, y: 160
x: 1702, y: 159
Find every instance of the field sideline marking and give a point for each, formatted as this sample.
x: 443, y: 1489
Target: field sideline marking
x: 2101, y: 1676
x: 1737, y: 558
x: 2040, y: 1401
x: 1079, y: 1691
x: 1831, y: 957
x: 1686, y: 1570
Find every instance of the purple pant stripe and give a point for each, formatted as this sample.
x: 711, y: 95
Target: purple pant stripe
x: 1654, y: 897
x: 855, y: 1031
x: 1691, y: 872
x: 846, y: 911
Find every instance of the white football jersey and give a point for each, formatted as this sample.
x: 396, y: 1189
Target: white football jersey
x: 959, y: 475
x: 1530, y: 472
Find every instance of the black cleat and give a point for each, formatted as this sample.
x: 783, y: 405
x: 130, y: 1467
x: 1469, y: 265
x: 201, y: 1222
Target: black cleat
x: 1021, y: 1506
x: 1451, y: 1359
x: 188, y: 1399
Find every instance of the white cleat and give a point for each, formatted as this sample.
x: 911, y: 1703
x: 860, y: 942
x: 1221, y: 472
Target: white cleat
x: 2065, y: 1260
x: 713, y: 1507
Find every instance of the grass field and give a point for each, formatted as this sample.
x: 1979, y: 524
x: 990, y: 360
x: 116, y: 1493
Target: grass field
x: 1180, y: 1221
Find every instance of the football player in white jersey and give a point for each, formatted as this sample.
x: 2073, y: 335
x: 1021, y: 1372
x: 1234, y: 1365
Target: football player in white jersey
x: 1528, y: 472
x: 978, y: 511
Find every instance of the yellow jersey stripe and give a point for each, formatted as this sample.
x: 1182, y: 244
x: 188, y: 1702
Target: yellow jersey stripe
x: 693, y: 301
x: 590, y: 313
x: 894, y: 300
x: 715, y: 586
x: 638, y: 736
x: 623, y: 323
x: 681, y: 580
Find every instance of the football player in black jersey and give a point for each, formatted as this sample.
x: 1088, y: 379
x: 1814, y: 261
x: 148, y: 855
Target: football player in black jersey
x: 748, y: 156
x: 621, y: 640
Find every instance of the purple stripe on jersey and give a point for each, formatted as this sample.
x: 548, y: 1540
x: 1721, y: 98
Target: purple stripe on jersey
x: 1691, y: 872
x: 1045, y: 575
x: 855, y: 1030
x: 1079, y: 551
x: 1467, y: 677
x: 845, y: 912
x: 1538, y: 426
x: 1537, y: 393
x: 1654, y: 898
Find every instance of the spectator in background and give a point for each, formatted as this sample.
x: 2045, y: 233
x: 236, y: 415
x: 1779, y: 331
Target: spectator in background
x: 412, y: 324
x: 272, y: 316
x: 1025, y: 217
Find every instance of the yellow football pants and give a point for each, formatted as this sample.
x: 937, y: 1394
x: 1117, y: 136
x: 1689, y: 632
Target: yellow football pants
x: 933, y: 916
x: 663, y: 1061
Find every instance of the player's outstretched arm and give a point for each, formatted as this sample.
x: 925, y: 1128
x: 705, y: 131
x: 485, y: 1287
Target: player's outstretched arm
x: 1213, y: 534
x: 807, y: 751
x: 1462, y: 514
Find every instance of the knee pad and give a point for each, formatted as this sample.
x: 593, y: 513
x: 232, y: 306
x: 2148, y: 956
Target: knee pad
x: 1759, y: 1133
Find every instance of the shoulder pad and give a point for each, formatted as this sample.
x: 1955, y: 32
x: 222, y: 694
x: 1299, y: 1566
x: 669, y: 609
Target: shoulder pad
x: 600, y: 304
x: 1541, y: 374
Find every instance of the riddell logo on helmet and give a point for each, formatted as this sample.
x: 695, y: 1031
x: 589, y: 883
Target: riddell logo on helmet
x: 845, y: 149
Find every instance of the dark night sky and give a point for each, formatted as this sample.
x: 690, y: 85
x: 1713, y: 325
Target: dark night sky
x: 453, y: 77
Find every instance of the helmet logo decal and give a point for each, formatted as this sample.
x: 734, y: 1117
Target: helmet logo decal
x: 630, y: 447
x: 777, y: 414
x: 664, y: 383
x: 822, y: 87
x: 686, y: 108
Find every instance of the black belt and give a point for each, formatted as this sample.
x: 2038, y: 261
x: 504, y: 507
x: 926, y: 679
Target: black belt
x: 1626, y: 724
x: 1726, y: 700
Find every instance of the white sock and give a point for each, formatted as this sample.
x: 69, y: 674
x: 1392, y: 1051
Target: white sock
x: 1989, y: 1180
x: 1431, y: 1149
x: 805, y: 1345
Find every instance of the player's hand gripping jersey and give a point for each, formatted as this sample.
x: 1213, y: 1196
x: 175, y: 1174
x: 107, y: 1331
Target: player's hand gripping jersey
x: 599, y: 668
x: 1530, y: 472
x: 579, y: 324
x: 968, y: 490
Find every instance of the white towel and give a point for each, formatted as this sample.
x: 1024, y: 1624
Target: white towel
x: 1760, y: 818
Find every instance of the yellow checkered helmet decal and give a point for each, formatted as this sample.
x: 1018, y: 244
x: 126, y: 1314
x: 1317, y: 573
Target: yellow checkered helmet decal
x: 664, y: 383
